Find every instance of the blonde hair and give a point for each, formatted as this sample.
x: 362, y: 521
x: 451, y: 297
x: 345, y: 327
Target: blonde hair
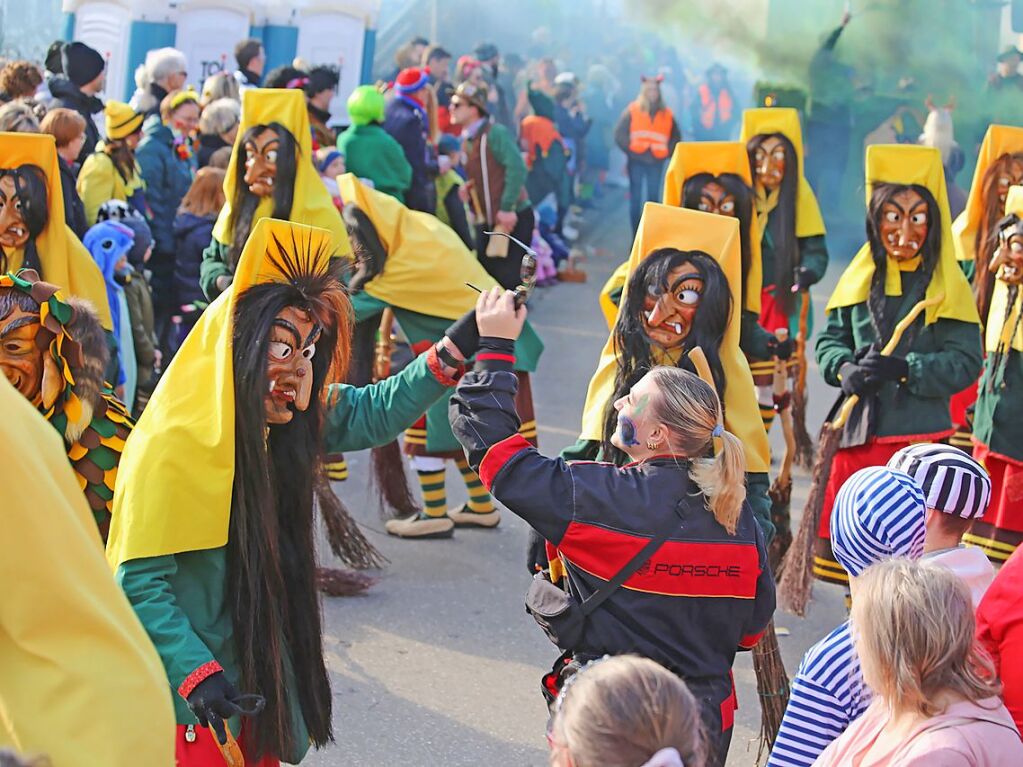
x: 220, y: 116
x: 221, y: 85
x: 915, y: 635
x: 691, y: 410
x: 621, y: 711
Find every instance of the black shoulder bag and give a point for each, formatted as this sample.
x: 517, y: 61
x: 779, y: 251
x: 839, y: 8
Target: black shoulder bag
x: 561, y: 616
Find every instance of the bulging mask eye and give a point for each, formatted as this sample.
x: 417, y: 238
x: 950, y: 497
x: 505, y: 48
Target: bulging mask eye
x: 728, y: 206
x: 280, y: 351
x: 271, y: 156
x: 309, y: 351
x: 891, y: 216
x: 689, y: 297
x: 919, y: 218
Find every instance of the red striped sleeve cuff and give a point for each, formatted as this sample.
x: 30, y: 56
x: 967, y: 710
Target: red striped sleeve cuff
x: 192, y: 681
x: 437, y: 368
x: 750, y: 641
x: 498, y: 455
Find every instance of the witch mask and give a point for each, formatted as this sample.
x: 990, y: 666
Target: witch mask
x: 289, y: 365
x: 770, y: 158
x: 23, y: 209
x: 261, y: 152
x: 669, y: 306
x: 1008, y: 260
x: 904, y: 224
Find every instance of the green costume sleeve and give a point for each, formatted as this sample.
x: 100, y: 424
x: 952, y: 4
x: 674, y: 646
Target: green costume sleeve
x: 582, y: 450
x: 753, y: 339
x: 507, y: 153
x: 146, y: 583
x: 363, y: 417
x: 835, y: 344
x: 214, y: 264
x: 813, y: 254
x: 969, y: 269
x: 365, y: 306
x: 946, y: 372
x: 757, y: 485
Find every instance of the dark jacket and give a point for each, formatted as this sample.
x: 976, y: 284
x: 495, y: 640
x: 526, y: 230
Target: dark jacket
x: 74, y: 208
x: 167, y: 178
x: 66, y: 94
x: 208, y: 144
x: 192, y: 234
x: 408, y: 127
x: 703, y: 594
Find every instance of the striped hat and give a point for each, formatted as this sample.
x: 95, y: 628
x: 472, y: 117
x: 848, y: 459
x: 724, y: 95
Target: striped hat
x: 951, y: 480
x: 122, y: 120
x: 878, y: 514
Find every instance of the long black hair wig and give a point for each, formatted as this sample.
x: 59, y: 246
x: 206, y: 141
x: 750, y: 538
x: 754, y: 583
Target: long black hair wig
x: 244, y: 203
x: 782, y: 220
x: 734, y: 185
x: 882, y: 316
x: 632, y: 345
x: 278, y: 476
x: 985, y: 241
x: 30, y: 186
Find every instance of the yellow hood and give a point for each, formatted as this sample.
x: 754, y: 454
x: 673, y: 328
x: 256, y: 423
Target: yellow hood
x: 691, y: 158
x: 176, y: 474
x: 785, y: 121
x: 908, y: 164
x: 65, y: 261
x: 663, y: 226
x: 999, y: 327
x: 427, y: 263
x: 312, y: 204
x: 999, y: 140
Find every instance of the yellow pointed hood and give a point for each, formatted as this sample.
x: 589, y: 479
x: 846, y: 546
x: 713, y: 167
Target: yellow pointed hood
x: 785, y: 121
x: 65, y: 261
x: 663, y: 226
x: 427, y: 263
x: 312, y: 204
x: 999, y: 326
x: 692, y: 158
x: 908, y: 164
x: 998, y: 140
x: 175, y: 479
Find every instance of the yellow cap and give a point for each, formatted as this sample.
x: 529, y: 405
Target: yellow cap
x: 121, y: 119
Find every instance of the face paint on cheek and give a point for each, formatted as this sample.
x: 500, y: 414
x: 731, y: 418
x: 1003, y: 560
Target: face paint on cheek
x: 627, y: 431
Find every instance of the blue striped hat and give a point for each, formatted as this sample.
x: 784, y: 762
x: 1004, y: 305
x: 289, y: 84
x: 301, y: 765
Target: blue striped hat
x: 878, y: 514
x: 951, y: 480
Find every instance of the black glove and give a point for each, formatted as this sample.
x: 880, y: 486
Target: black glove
x: 212, y: 701
x: 857, y: 380
x: 780, y: 349
x: 803, y: 279
x: 536, y: 552
x: 465, y: 334
x: 885, y: 368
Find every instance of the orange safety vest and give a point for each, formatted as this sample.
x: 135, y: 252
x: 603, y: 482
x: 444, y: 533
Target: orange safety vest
x: 708, y: 107
x: 649, y: 133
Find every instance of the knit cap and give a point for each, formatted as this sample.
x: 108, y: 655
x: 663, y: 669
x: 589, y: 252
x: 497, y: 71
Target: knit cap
x: 82, y: 64
x: 143, y: 239
x: 879, y: 514
x: 411, y: 80
x: 122, y: 120
x: 366, y: 105
x: 951, y: 480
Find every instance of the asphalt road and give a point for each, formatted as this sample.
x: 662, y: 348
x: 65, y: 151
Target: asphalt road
x: 439, y: 664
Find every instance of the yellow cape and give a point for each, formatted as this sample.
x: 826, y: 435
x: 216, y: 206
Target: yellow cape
x: 427, y: 263
x: 786, y: 122
x: 663, y: 226
x: 691, y: 158
x: 908, y: 164
x: 999, y: 140
x: 70, y: 644
x: 997, y: 332
x: 312, y: 202
x: 174, y: 482
x: 65, y: 261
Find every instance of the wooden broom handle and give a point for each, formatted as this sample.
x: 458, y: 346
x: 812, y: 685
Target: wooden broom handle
x: 889, y: 348
x: 804, y: 321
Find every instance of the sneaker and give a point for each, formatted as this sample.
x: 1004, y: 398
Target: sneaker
x: 463, y: 517
x: 421, y: 526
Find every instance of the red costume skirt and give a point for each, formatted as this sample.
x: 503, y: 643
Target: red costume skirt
x: 1001, y: 529
x: 962, y: 422
x: 771, y: 315
x: 204, y: 751
x: 847, y: 462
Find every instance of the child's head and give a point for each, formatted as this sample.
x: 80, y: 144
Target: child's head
x: 330, y: 162
x: 451, y: 147
x: 622, y: 712
x: 109, y: 243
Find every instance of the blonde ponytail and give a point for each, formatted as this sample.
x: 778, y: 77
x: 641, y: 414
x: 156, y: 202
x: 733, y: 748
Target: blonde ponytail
x: 722, y: 480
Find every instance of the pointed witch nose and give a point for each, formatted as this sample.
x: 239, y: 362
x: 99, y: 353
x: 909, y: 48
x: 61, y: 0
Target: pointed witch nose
x: 659, y: 312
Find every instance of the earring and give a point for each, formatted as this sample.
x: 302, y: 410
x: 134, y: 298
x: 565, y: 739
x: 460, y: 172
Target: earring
x: 651, y: 445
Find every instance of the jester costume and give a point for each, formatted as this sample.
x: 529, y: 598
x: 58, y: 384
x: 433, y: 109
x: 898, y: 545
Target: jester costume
x: 412, y: 264
x: 54, y: 352
x: 213, y: 510
x: 73, y: 654
x: 996, y: 433
x: 975, y: 233
x: 30, y: 173
x: 904, y: 396
x: 794, y: 254
x: 716, y: 236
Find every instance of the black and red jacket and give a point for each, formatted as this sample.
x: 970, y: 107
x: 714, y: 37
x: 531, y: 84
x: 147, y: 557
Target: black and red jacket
x: 703, y: 594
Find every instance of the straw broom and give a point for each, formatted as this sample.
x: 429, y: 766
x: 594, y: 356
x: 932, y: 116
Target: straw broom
x: 781, y: 489
x: 804, y: 447
x: 772, y: 679
x: 796, y: 582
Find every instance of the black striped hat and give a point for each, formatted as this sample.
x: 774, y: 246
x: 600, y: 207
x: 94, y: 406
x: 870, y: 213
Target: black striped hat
x: 951, y: 480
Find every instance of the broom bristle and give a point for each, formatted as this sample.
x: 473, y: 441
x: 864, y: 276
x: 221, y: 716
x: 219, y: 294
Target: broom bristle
x: 388, y: 477
x: 797, y: 569
x: 343, y: 534
x: 804, y: 455
x: 342, y: 583
x: 772, y: 688
x: 781, y: 497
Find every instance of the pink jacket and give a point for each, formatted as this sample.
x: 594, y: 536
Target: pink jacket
x: 967, y: 735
